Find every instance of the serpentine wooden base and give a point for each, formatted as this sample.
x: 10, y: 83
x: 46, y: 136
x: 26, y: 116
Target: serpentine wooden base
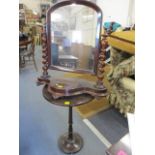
x: 70, y: 87
x: 73, y: 101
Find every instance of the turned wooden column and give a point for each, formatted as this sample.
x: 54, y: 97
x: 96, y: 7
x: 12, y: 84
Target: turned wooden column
x: 44, y: 77
x: 102, y: 57
x: 44, y: 53
x: 101, y: 62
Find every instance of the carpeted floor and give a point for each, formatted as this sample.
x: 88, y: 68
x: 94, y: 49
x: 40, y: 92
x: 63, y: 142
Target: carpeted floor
x: 111, y: 124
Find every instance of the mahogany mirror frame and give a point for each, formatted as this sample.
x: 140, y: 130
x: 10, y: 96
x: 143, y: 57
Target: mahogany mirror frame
x: 98, y: 35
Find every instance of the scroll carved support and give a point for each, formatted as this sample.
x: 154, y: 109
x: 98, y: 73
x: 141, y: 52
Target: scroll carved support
x: 101, y: 63
x: 45, y: 77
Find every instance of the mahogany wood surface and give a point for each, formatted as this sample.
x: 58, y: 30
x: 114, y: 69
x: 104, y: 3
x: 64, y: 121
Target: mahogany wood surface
x: 75, y: 100
x: 70, y: 87
x: 65, y: 87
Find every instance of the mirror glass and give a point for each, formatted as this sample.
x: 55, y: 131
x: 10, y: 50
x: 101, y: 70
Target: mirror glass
x: 74, y: 37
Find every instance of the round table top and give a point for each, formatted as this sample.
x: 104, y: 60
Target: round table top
x: 75, y: 100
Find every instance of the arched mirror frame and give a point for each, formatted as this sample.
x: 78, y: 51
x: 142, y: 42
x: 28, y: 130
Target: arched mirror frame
x: 98, y: 35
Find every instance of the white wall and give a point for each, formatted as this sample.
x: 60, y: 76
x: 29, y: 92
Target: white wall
x: 117, y: 10
x: 131, y: 13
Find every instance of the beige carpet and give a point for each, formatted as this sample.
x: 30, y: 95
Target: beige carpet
x: 96, y: 105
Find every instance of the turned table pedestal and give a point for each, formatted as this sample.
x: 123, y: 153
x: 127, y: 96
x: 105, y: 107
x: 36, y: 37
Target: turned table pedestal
x: 70, y: 142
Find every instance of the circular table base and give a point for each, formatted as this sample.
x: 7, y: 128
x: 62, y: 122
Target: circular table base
x: 70, y: 146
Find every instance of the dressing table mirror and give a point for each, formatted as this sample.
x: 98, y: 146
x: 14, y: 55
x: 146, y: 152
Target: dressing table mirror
x: 73, y: 38
x: 72, y: 42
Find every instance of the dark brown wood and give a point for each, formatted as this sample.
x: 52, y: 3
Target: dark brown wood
x: 44, y: 78
x: 70, y: 87
x: 101, y: 63
x: 101, y: 59
x: 70, y: 123
x: 68, y: 100
x: 48, y: 21
x: 69, y: 2
x: 44, y: 50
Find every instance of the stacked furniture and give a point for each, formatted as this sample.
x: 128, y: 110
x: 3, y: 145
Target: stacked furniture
x: 121, y: 75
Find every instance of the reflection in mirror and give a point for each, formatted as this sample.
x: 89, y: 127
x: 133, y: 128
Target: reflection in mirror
x: 73, y: 37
